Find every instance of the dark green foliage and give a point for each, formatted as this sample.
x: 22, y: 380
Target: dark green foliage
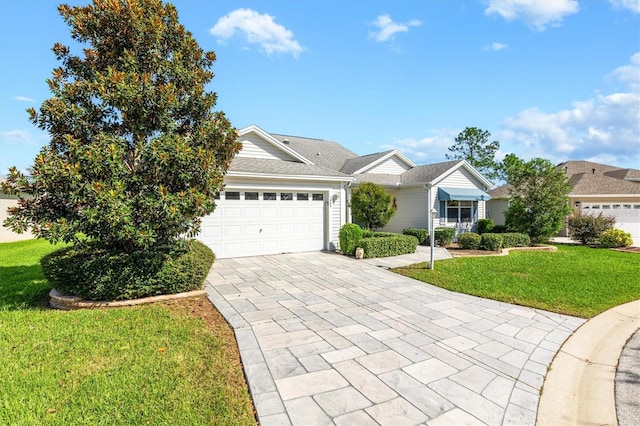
x: 499, y: 229
x: 388, y: 246
x: 421, y: 234
x: 350, y: 236
x: 444, y: 236
x: 371, y: 205
x: 485, y: 225
x: 94, y: 273
x: 367, y: 233
x: 469, y: 240
x: 539, y: 198
x: 491, y: 242
x: 612, y: 238
x: 136, y: 151
x: 587, y: 228
x: 515, y: 239
x: 383, y: 234
x: 472, y: 145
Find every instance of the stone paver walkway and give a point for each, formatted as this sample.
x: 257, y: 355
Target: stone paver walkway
x: 326, y: 339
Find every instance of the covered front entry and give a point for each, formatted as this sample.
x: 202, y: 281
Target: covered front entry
x: 259, y: 222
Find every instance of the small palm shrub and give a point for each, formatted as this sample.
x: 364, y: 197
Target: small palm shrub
x: 612, y: 238
x: 350, y: 236
x: 469, y: 240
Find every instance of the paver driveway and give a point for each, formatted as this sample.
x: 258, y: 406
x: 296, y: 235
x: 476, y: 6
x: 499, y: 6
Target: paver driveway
x: 327, y: 339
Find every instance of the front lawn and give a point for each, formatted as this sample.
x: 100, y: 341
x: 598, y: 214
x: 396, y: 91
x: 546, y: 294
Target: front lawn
x: 172, y: 363
x: 575, y: 280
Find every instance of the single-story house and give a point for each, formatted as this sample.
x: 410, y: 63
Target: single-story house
x: 6, y: 234
x: 595, y: 188
x: 291, y: 194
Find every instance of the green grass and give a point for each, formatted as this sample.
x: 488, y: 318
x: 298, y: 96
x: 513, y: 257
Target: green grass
x: 154, y: 364
x: 575, y: 280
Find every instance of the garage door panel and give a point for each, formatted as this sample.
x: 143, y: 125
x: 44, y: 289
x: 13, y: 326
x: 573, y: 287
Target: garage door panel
x: 240, y: 227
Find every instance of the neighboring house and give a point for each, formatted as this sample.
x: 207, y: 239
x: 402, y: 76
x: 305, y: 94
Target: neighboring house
x: 6, y: 234
x: 595, y: 188
x: 291, y: 194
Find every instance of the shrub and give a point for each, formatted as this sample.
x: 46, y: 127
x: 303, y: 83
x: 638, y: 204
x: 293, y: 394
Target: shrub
x: 499, y: 229
x: 491, y: 241
x: 587, y: 228
x: 421, y: 234
x: 367, y: 233
x: 469, y: 240
x: 444, y: 236
x: 484, y: 226
x: 350, y: 236
x: 372, y: 205
x: 94, y: 273
x: 515, y: 239
x: 384, y: 234
x: 612, y: 238
x: 388, y: 246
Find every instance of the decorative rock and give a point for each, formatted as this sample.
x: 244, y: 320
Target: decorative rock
x: 359, y: 253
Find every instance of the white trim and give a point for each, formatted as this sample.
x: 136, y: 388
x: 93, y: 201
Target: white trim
x: 385, y: 157
x: 273, y: 141
x: 290, y: 177
x: 487, y: 183
x: 612, y: 195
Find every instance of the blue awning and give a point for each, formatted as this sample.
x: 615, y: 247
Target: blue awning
x: 462, y: 194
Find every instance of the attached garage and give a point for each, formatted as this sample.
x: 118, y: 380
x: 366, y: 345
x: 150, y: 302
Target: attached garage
x: 260, y: 222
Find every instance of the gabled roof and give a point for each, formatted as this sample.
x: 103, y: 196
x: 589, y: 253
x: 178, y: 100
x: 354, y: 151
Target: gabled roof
x: 321, y: 152
x: 273, y: 141
x: 427, y: 172
x: 352, y: 165
x: 242, y: 166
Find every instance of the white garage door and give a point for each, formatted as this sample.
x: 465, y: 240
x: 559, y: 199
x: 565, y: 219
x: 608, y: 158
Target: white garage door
x: 251, y: 223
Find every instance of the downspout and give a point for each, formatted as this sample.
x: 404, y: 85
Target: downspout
x: 348, y: 203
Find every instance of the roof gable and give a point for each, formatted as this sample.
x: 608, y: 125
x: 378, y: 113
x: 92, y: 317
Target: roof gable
x: 320, y: 152
x: 388, y: 162
x: 256, y: 143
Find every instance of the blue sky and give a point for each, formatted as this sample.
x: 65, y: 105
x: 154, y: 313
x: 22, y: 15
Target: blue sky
x: 558, y: 79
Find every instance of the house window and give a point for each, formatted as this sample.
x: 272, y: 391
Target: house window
x: 250, y: 195
x: 231, y: 195
x: 286, y: 196
x: 616, y: 206
x: 317, y: 197
x: 302, y: 197
x: 217, y: 196
x: 459, y: 211
x: 267, y: 196
x: 606, y: 206
x: 626, y: 206
x: 636, y: 206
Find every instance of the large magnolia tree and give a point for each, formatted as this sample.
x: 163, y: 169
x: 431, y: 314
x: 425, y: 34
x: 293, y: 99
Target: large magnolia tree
x: 136, y: 152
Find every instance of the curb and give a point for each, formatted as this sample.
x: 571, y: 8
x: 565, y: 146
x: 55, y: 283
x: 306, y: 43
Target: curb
x: 579, y: 387
x: 67, y: 303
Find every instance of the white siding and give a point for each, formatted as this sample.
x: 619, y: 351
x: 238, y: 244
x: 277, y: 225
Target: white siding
x: 256, y: 147
x: 336, y: 216
x: 496, y: 209
x: 6, y: 234
x: 391, y: 166
x: 461, y: 178
x: 412, y: 210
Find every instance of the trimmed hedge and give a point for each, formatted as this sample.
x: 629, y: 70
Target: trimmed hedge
x: 491, y: 241
x: 469, y: 240
x: 388, y: 246
x: 350, y: 236
x: 93, y: 273
x: 421, y: 234
x: 484, y: 226
x: 499, y: 229
x: 612, y: 238
x: 444, y: 236
x: 515, y: 239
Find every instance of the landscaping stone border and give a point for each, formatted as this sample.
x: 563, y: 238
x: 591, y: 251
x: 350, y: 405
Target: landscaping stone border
x: 502, y: 252
x: 67, y: 303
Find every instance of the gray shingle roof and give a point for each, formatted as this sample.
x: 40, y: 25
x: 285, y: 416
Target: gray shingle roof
x: 427, y: 172
x: 323, y: 153
x: 279, y: 167
x: 380, y: 179
x: 354, y: 164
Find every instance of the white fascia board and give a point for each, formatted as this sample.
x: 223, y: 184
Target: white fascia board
x: 275, y: 142
x: 487, y: 183
x: 604, y: 195
x: 395, y: 152
x: 290, y: 177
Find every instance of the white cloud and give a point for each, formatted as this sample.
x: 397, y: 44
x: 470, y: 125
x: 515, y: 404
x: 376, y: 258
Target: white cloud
x: 628, y: 74
x: 632, y: 5
x: 495, y: 46
x: 387, y: 28
x: 24, y: 99
x: 429, y: 149
x: 17, y: 136
x: 259, y: 29
x: 606, y: 126
x: 536, y: 13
